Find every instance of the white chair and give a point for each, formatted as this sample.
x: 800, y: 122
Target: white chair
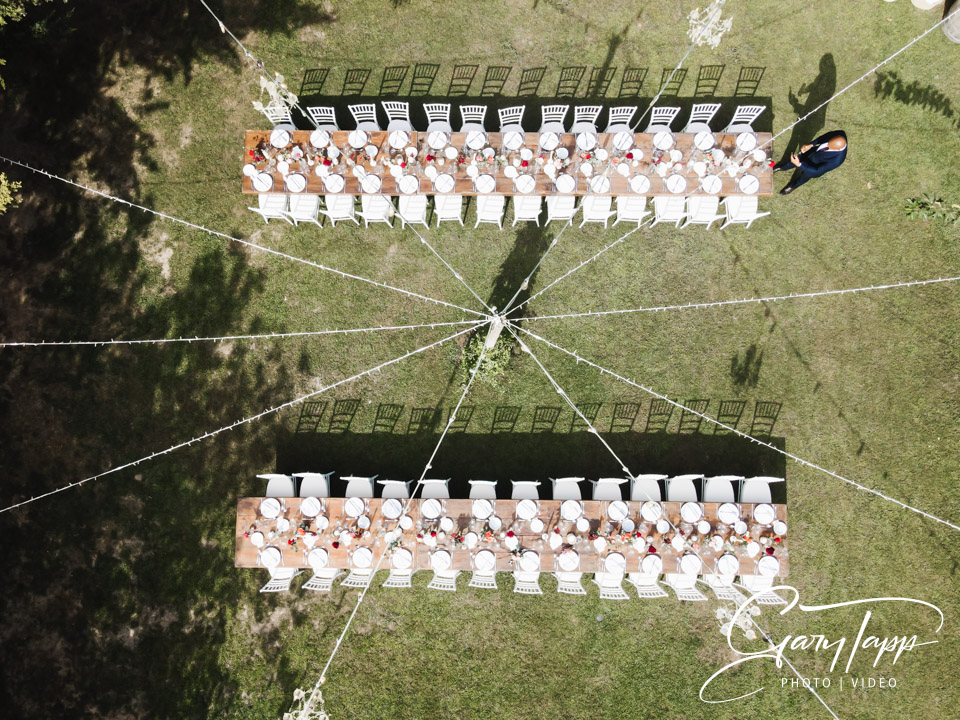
x: 561, y: 207
x: 631, y: 208
x: 322, y: 580
x: 358, y: 578
x: 646, y: 585
x: 278, y: 486
x: 483, y: 580
x: 398, y: 489
x: 567, y: 488
x: 448, y: 207
x: 324, y: 117
x: 760, y: 586
x: 278, y: 114
x: 413, y: 210
x: 525, y: 490
x: 472, y: 117
x: 608, y: 489
x: 338, y: 208
x: 485, y: 489
x: 444, y: 580
x: 743, y: 117
x: 314, y: 484
x: 668, y: 208
x: 722, y: 587
x: 741, y: 209
x: 700, y: 116
x: 685, y: 587
x: 271, y: 206
x: 511, y: 118
x: 438, y: 489
x: 376, y: 209
x: 585, y: 119
x: 552, y: 118
x: 365, y: 115
x: 280, y: 579
x: 569, y: 583
x: 304, y: 208
x: 682, y: 489
x: 661, y: 118
x: 399, y: 578
x: 702, y: 210
x: 527, y: 208
x: 646, y: 487
x: 596, y: 208
x: 526, y: 583
x: 611, y: 586
x: 490, y: 210
x: 618, y: 119
x: 438, y: 117
x: 359, y: 487
x: 719, y: 488
x: 757, y: 489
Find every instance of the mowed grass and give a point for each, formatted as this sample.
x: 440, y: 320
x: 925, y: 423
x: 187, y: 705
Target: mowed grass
x: 159, y: 623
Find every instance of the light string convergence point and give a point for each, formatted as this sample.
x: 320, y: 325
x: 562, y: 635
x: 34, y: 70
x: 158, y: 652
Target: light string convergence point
x: 745, y: 301
x: 730, y: 428
x: 427, y: 467
x: 563, y: 394
x: 226, y: 338
x: 215, y: 233
x: 245, y: 420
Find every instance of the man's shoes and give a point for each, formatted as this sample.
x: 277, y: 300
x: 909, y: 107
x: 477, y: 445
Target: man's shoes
x: 787, y: 190
x: 777, y: 168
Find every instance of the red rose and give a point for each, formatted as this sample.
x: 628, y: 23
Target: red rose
x: 524, y: 163
x: 433, y: 533
x: 327, y: 162
x: 769, y: 551
x: 770, y: 164
x: 335, y: 545
x: 290, y: 541
x: 509, y: 533
x: 651, y: 549
x: 419, y: 536
x: 629, y: 156
x: 430, y: 158
x: 556, y: 530
x: 776, y: 539
x: 252, y: 153
x: 587, y: 157
x: 403, y: 164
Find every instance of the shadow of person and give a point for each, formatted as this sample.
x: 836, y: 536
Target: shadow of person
x: 818, y: 92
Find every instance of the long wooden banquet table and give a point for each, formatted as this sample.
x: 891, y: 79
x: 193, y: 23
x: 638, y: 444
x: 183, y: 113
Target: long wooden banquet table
x: 293, y: 544
x: 642, y: 163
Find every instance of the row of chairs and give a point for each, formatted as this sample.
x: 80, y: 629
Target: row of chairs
x: 693, y: 210
x: 552, y: 117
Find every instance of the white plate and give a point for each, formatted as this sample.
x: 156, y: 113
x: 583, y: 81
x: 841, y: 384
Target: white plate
x: 704, y: 140
x: 622, y: 141
x: 485, y: 561
x: 700, y: 168
x: 651, y: 510
x: 444, y: 183
x: 406, y: 522
x: 758, y: 155
x: 586, y: 141
x: 476, y: 139
x: 362, y: 557
x: 437, y: 140
x: 296, y: 183
x: 402, y: 559
x: 602, y: 154
x: 740, y: 527
x: 583, y: 524
x: 690, y: 512
x: 279, y: 138
x: 526, y: 509
x: 319, y: 138
x: 318, y: 558
x: 676, y: 156
x: 600, y: 544
x: 690, y: 565
x: 703, y: 527
x: 257, y: 539
x: 717, y: 154
x: 270, y: 557
x: 408, y: 184
x: 262, y: 182
x: 571, y: 510
x: 569, y: 561
x: 537, y: 525
x: 764, y: 514
x: 431, y: 172
x: 333, y: 152
x: 525, y: 184
x: 628, y: 525
x: 354, y: 507
x: 485, y: 184
x: 357, y: 139
x: 617, y: 510
x: 652, y: 564
x: 623, y: 169
x: 510, y: 171
x: 615, y: 563
x: 711, y: 184
x: 640, y: 184
x: 309, y: 507
x: 676, y: 184
x: 562, y: 153
x: 566, y: 183
x: 526, y: 154
x: 322, y: 522
x: 411, y: 152
x: 728, y: 513
x: 530, y: 561
x: 370, y: 183
x: 586, y: 168
x: 746, y: 141
x: 451, y: 153
x: 297, y: 152
x: 555, y: 540
x: 472, y: 171
x: 283, y: 525
x: 431, y: 508
x: 748, y: 184
x: 511, y: 542
x: 334, y: 183
x: 392, y: 508
x: 310, y: 539
x: 663, y: 140
x: 600, y: 184
x: 371, y: 151
x: 677, y: 543
x: 398, y: 139
x: 270, y: 507
x: 549, y: 140
x: 780, y: 527
x: 489, y: 152
x: 446, y: 524
x: 768, y: 566
x: 471, y: 539
x: 283, y: 167
x: 250, y: 170
x: 662, y: 526
x: 753, y: 548
x: 728, y: 565
x: 494, y: 522
x: 363, y: 522
x: 482, y: 509
x: 513, y: 140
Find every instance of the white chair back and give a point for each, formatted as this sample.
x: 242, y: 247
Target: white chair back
x: 396, y: 111
x: 668, y: 208
x: 682, y: 489
x: 444, y: 580
x: 374, y: 209
x: 483, y: 580
x: 569, y: 583
x: 339, y: 207
x: 553, y: 114
x: 608, y: 488
x: 646, y: 487
x: 473, y: 115
x: 586, y: 113
x: 483, y: 489
x: 304, y: 208
x: 525, y: 490
x: 278, y: 114
x: 314, y: 484
x: 741, y: 209
x: 490, y: 210
x: 322, y: 580
x: 365, y: 115
x: 437, y: 112
x: 567, y: 488
x: 527, y: 208
x: 435, y: 489
x: 719, y: 489
x: 560, y: 207
x: 662, y: 116
x: 279, y: 486
x: 745, y: 115
x: 413, y: 210
x: 359, y: 487
x: 527, y: 583
x: 324, y: 117
x: 448, y: 207
x: 702, y: 113
x: 271, y: 206
x: 619, y: 118
x: 596, y: 208
x: 631, y: 208
x: 757, y: 489
x: 511, y: 116
x: 702, y: 210
x: 398, y: 489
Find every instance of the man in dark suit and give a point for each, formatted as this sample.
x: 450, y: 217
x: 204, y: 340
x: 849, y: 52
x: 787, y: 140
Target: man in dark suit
x: 815, y: 159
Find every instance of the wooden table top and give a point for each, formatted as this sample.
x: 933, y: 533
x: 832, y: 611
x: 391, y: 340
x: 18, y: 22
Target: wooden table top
x: 461, y: 513
x: 345, y: 164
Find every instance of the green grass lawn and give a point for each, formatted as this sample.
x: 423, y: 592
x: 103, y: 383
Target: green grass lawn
x: 122, y: 599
